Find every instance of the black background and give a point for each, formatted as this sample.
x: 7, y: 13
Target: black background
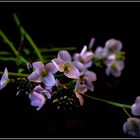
x: 73, y: 24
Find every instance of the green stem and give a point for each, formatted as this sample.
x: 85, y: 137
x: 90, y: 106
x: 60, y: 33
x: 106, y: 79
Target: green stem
x: 5, y: 53
x: 12, y: 46
x: 126, y: 112
x: 8, y: 59
x: 16, y: 74
x: 27, y: 36
x: 8, y: 42
x: 44, y: 50
x: 109, y: 102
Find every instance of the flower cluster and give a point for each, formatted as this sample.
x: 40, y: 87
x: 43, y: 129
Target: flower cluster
x: 64, y: 80
x: 132, y: 126
x: 48, y: 79
x: 112, y: 57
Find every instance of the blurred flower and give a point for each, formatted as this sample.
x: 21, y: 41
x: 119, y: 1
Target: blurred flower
x: 100, y: 53
x: 37, y: 100
x: 114, y: 67
x: 135, y: 108
x: 29, y: 66
x: 80, y: 89
x: 83, y: 84
x: 43, y: 74
x: 40, y: 90
x: 112, y: 46
x: 132, y: 127
x: 37, y: 96
x: 4, y: 79
x: 88, y: 78
x: 85, y: 57
x: 80, y: 67
x: 64, y: 64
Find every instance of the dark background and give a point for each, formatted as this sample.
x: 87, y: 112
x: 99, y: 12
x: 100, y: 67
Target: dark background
x: 66, y: 25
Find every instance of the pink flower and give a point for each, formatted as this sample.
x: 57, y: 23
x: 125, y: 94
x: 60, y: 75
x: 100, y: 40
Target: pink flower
x: 43, y: 74
x: 64, y: 64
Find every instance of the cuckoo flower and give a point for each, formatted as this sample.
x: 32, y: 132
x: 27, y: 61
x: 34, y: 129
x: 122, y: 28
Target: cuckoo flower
x: 114, y: 67
x: 135, y: 109
x: 132, y: 127
x: 80, y: 67
x: 80, y: 89
x: 37, y: 99
x: 100, y: 53
x: 88, y: 78
x: 4, y: 79
x: 83, y: 84
x: 112, y: 46
x: 64, y: 64
x: 85, y: 57
x: 43, y: 73
x: 40, y: 90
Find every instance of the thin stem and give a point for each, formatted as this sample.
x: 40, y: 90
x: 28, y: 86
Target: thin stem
x: 8, y: 42
x: 44, y: 50
x: 12, y: 46
x: 109, y: 102
x: 27, y: 36
x: 8, y: 59
x: 5, y: 53
x: 16, y: 74
x: 126, y: 112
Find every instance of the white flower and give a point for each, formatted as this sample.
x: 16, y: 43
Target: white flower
x: 4, y: 79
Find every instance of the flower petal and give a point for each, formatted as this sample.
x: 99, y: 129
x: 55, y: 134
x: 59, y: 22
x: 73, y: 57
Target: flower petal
x: 108, y: 71
x: 116, y: 72
x: 49, y: 80
x: 83, y: 50
x: 37, y: 100
x: 89, y: 64
x: 79, y: 66
x: 112, y: 57
x: 38, y: 66
x: 112, y: 46
x: 81, y: 100
x: 47, y: 93
x: 132, y: 127
x: 41, y: 90
x: 76, y: 57
x: 73, y: 72
x: 4, y: 79
x: 89, y: 85
x: 135, y: 108
x: 120, y: 65
x: 99, y: 53
x: 65, y: 56
x: 80, y: 88
x: 110, y: 62
x: 38, y: 88
x: 50, y: 67
x: 34, y: 77
x: 91, y: 43
x: 87, y: 56
x: 91, y: 75
x: 59, y: 64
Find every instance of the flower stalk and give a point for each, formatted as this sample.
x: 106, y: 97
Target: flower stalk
x: 109, y: 102
x: 13, y: 48
x: 27, y: 36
